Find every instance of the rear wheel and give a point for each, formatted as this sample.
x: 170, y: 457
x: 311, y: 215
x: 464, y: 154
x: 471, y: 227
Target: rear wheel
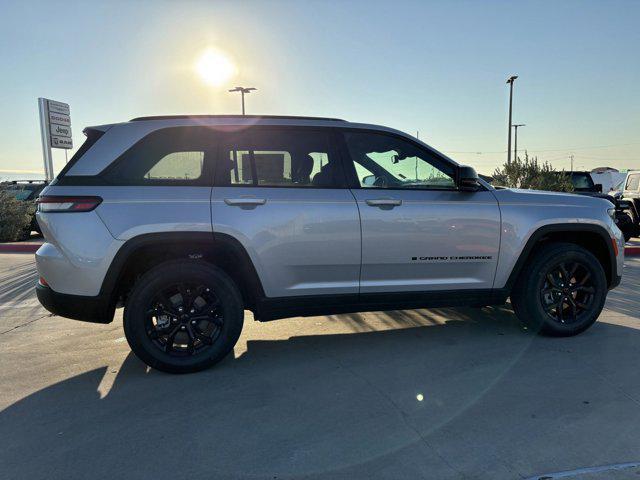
x: 562, y: 291
x: 183, y: 316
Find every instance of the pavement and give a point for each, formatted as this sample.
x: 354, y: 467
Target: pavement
x: 437, y: 394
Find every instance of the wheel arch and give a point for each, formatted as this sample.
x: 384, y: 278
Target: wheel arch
x: 141, y: 253
x: 594, y: 238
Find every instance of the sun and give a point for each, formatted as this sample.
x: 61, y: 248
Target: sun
x: 215, y: 68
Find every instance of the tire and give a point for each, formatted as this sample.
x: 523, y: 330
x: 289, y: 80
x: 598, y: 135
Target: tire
x: 183, y: 316
x: 546, y: 303
x: 635, y: 221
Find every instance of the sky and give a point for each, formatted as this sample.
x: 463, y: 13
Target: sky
x: 434, y: 67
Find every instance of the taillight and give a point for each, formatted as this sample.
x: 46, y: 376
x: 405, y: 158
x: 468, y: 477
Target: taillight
x: 54, y: 203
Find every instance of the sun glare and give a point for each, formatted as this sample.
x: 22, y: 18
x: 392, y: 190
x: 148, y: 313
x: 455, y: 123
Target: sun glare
x: 215, y: 68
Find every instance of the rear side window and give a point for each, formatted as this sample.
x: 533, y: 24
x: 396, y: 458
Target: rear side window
x: 633, y: 182
x: 279, y: 158
x: 581, y: 180
x: 92, y: 137
x: 171, y: 156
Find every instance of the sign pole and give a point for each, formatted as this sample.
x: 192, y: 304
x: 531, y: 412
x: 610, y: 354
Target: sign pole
x: 44, y: 133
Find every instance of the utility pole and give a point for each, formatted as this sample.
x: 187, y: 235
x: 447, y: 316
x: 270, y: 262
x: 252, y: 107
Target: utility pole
x: 571, y: 158
x: 510, y: 81
x: 515, y: 139
x: 242, y: 91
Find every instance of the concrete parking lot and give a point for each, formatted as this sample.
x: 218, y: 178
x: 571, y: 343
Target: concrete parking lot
x: 442, y: 393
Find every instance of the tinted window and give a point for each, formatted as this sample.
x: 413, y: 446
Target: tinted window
x: 581, y: 180
x: 384, y: 161
x: 633, y: 182
x: 279, y: 158
x: 171, y: 156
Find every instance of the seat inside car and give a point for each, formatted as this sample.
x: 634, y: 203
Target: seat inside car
x: 301, y: 169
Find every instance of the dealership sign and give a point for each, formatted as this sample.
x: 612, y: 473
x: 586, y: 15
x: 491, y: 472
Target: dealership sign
x: 55, y: 129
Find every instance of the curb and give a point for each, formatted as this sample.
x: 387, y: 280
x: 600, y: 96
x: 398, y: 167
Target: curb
x: 631, y: 251
x: 19, y: 247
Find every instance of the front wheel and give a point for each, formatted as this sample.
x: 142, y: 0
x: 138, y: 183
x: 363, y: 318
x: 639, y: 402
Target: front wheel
x: 561, y: 292
x: 183, y: 316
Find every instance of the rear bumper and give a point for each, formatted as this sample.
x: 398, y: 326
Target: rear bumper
x: 77, y: 307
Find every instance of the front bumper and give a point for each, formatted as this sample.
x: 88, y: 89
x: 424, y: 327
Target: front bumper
x: 77, y: 307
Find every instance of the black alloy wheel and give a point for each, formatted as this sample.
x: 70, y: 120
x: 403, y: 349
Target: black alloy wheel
x: 561, y: 291
x: 568, y: 292
x: 183, y: 316
x: 184, y: 319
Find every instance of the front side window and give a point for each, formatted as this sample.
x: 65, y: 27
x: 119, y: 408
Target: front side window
x: 384, y: 161
x: 171, y: 156
x: 279, y: 158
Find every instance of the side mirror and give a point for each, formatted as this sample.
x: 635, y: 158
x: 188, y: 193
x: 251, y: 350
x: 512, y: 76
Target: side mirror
x: 598, y: 187
x: 468, y: 179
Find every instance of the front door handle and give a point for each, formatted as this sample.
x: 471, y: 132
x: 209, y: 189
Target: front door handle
x: 384, y: 202
x: 245, y: 201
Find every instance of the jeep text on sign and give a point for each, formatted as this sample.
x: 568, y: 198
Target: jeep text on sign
x: 60, y: 130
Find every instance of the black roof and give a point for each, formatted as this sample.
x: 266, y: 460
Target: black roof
x: 277, y: 117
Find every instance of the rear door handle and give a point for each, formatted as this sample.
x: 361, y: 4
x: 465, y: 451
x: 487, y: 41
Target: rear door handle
x: 384, y: 202
x: 245, y: 201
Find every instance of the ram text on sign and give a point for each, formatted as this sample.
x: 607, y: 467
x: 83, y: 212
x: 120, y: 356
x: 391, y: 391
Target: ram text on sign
x: 61, y: 142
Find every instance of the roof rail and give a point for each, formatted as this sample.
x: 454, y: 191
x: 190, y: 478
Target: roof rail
x: 277, y: 117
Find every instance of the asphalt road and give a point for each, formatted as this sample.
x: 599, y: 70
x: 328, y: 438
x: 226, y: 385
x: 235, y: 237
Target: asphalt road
x: 442, y: 393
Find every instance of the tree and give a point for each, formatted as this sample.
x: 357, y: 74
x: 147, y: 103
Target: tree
x: 531, y: 174
x: 15, y: 217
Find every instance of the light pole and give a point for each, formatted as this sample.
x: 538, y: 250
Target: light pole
x: 242, y: 91
x: 510, y: 81
x: 515, y: 139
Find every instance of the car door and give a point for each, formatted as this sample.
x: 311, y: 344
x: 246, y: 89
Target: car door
x: 281, y: 192
x: 419, y: 232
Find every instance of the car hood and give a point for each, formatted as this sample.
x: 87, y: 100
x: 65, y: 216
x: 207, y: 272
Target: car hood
x: 543, y: 198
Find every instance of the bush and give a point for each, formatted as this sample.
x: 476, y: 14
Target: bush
x: 531, y: 174
x: 15, y: 217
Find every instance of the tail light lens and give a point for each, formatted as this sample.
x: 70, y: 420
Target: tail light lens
x: 54, y: 203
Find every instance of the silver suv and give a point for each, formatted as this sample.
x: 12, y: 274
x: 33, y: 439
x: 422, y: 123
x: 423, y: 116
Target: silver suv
x: 186, y: 221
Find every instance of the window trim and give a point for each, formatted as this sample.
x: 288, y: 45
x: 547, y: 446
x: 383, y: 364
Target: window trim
x: 354, y: 182
x: 333, y: 150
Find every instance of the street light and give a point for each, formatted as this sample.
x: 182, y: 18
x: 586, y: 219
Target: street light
x: 242, y: 91
x: 515, y: 139
x: 510, y: 81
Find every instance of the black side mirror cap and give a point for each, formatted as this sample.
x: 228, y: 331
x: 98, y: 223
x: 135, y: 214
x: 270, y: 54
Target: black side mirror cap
x: 468, y: 179
x: 598, y: 187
